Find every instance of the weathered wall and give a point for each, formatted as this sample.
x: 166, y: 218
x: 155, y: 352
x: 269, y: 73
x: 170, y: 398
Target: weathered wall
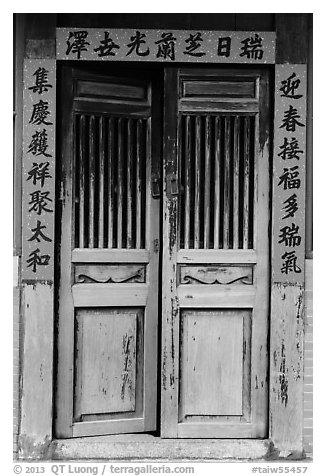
x: 308, y: 411
x: 38, y: 29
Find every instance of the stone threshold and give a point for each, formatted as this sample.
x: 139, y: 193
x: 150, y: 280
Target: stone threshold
x: 149, y: 447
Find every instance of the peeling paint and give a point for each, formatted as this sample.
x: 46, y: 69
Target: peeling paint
x: 31, y: 449
x: 128, y: 362
x: 172, y: 207
x: 283, y: 377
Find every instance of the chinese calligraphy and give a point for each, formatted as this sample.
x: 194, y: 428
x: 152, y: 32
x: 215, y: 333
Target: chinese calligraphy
x: 194, y: 43
x: 290, y: 120
x: 38, y: 184
x: 77, y: 42
x: 290, y: 150
x: 166, y: 46
x: 41, y: 81
x: 175, y: 45
x: 252, y: 47
x: 290, y: 110
x: 289, y: 86
x: 135, y: 43
x: 39, y: 143
x: 107, y: 46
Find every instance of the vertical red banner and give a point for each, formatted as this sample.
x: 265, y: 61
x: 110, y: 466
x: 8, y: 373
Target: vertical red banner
x: 289, y: 174
x: 38, y: 169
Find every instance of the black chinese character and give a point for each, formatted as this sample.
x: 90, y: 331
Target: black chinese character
x: 224, y: 46
x: 290, y: 179
x: 290, y: 235
x: 39, y: 143
x: 78, y: 43
x: 290, y: 119
x: 290, y: 263
x: 37, y: 260
x: 166, y: 46
x: 252, y: 47
x: 39, y: 202
x: 289, y: 86
x: 194, y: 43
x: 291, y: 206
x: 135, y: 42
x: 41, y: 81
x: 107, y: 46
x: 290, y: 150
x: 38, y: 233
x: 39, y: 172
x: 40, y: 112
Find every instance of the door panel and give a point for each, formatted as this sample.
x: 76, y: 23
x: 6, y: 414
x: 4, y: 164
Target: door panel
x: 108, y: 273
x: 215, y: 324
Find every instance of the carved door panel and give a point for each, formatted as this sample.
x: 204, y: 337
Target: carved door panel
x: 215, y: 254
x: 109, y: 253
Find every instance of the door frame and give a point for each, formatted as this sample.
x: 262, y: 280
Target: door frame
x: 37, y: 299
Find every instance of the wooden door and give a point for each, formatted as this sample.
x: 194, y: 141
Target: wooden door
x: 215, y: 254
x: 108, y: 230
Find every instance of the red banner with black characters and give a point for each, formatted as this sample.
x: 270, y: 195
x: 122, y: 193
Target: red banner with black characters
x: 38, y: 169
x: 289, y: 173
x: 167, y: 46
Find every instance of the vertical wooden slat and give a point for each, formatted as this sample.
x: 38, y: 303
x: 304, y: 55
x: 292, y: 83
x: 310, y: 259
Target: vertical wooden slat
x: 207, y: 181
x: 91, y: 181
x: 187, y: 183
x: 110, y: 183
x: 147, y: 124
x: 236, y: 146
x: 138, y: 186
x: 217, y: 127
x: 246, y: 172
x: 129, y: 186
x: 101, y: 184
x: 197, y: 183
x: 119, y: 185
x: 226, y: 211
x: 226, y: 214
x: 81, y: 180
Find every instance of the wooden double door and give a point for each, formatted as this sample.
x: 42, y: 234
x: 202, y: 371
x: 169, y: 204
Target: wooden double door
x: 163, y: 252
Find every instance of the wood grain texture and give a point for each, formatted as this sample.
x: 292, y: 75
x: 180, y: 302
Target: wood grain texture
x: 249, y: 415
x: 103, y: 273
x: 91, y: 183
x: 213, y: 274
x: 110, y: 184
x: 292, y: 37
x: 227, y: 185
x: 217, y: 158
x: 286, y: 367
x: 212, y: 351
x: 187, y: 190
x: 106, y: 361
x: 207, y: 197
x: 37, y: 395
x: 101, y: 184
x: 107, y: 278
x: 81, y: 191
x: 170, y: 312
x: 110, y: 256
x: 236, y: 152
